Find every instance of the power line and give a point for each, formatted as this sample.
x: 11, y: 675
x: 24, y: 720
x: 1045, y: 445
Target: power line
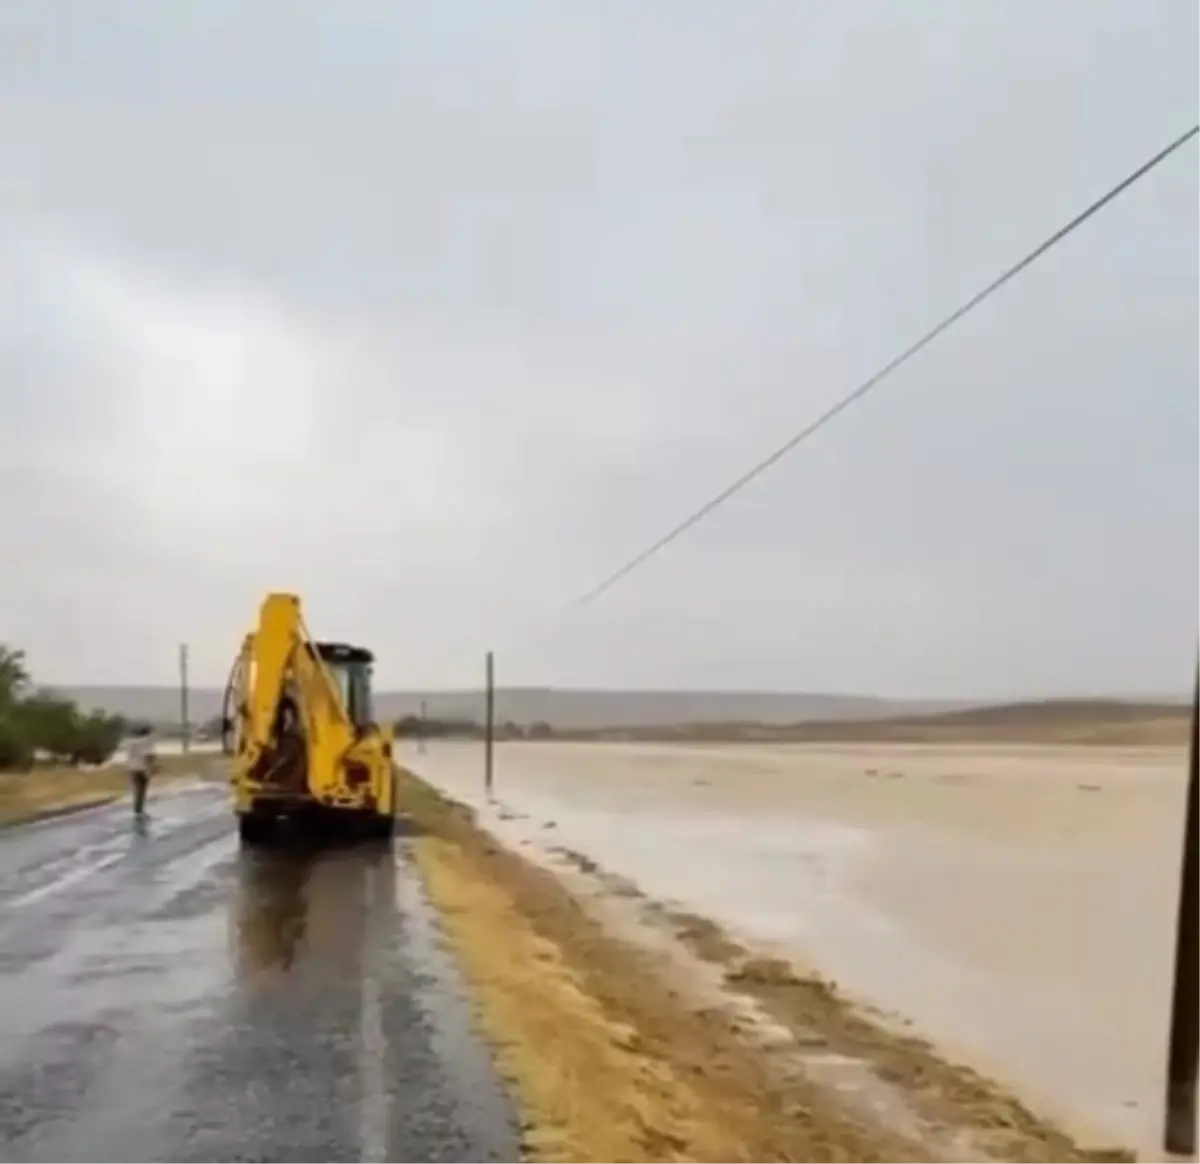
x: 862, y: 390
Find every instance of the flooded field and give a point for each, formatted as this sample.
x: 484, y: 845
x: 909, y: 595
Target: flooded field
x: 1015, y: 904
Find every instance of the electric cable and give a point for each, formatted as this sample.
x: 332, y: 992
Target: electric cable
x: 875, y: 380
x: 853, y: 397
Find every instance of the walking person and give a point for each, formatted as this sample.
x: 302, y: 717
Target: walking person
x: 140, y: 758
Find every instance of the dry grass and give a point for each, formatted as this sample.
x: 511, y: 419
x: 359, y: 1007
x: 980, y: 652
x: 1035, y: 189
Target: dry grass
x: 25, y: 795
x: 585, y: 1090
x: 613, y: 1056
x: 607, y: 1059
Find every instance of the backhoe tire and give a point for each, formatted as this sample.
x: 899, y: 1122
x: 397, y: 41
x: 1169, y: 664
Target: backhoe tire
x: 253, y: 830
x: 383, y: 825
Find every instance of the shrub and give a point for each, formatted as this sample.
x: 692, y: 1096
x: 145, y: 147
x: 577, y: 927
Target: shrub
x: 97, y: 737
x: 48, y: 723
x: 16, y: 753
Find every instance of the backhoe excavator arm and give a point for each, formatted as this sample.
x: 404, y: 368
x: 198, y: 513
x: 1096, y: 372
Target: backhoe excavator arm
x: 275, y: 640
x: 283, y: 664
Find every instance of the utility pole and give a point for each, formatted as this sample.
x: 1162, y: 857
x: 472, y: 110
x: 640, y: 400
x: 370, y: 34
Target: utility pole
x: 422, y: 727
x: 1179, y: 1132
x: 489, y: 724
x: 184, y: 725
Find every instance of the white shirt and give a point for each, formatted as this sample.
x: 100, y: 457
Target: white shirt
x: 140, y: 751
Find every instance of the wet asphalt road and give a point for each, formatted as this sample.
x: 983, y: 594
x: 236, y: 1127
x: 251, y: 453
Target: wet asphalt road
x: 166, y: 995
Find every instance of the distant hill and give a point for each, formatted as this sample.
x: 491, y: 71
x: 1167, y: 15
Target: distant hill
x: 1056, y: 711
x: 563, y: 709
x: 717, y: 714
x: 1054, y: 721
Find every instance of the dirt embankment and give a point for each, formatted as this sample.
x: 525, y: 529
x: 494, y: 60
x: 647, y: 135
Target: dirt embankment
x: 617, y: 1051
x: 1087, y: 721
x: 27, y: 795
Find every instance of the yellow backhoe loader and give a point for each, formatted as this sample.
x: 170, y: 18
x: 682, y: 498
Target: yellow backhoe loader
x: 299, y: 725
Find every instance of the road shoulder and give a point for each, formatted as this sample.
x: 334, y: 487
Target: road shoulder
x: 47, y: 793
x: 54, y: 812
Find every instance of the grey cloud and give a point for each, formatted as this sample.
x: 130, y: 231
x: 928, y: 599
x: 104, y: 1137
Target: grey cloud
x: 438, y: 312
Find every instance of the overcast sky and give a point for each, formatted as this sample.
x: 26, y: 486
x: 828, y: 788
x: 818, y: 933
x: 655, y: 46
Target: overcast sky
x: 435, y: 313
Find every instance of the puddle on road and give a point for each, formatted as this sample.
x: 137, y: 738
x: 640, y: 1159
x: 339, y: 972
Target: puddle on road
x: 484, y: 1107
x: 240, y: 1000
x: 353, y: 925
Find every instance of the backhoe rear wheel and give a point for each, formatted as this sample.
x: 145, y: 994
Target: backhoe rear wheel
x: 253, y: 830
x: 387, y: 824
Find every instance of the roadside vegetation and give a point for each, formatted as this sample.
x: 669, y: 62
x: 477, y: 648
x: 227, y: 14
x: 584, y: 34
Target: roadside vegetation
x: 38, y: 726
x: 413, y: 727
x: 53, y: 753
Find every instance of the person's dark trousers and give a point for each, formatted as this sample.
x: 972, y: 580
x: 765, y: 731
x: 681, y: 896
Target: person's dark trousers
x: 140, y: 782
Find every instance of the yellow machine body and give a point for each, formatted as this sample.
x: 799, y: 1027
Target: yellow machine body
x: 300, y: 730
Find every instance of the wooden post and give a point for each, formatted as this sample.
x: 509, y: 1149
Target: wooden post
x: 1179, y: 1130
x: 489, y: 725
x: 184, y: 724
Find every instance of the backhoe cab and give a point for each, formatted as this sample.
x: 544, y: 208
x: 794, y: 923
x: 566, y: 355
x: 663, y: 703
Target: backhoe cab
x: 299, y: 726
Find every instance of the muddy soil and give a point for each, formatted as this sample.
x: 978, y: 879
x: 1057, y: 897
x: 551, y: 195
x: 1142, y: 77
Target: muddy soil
x: 616, y: 1050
